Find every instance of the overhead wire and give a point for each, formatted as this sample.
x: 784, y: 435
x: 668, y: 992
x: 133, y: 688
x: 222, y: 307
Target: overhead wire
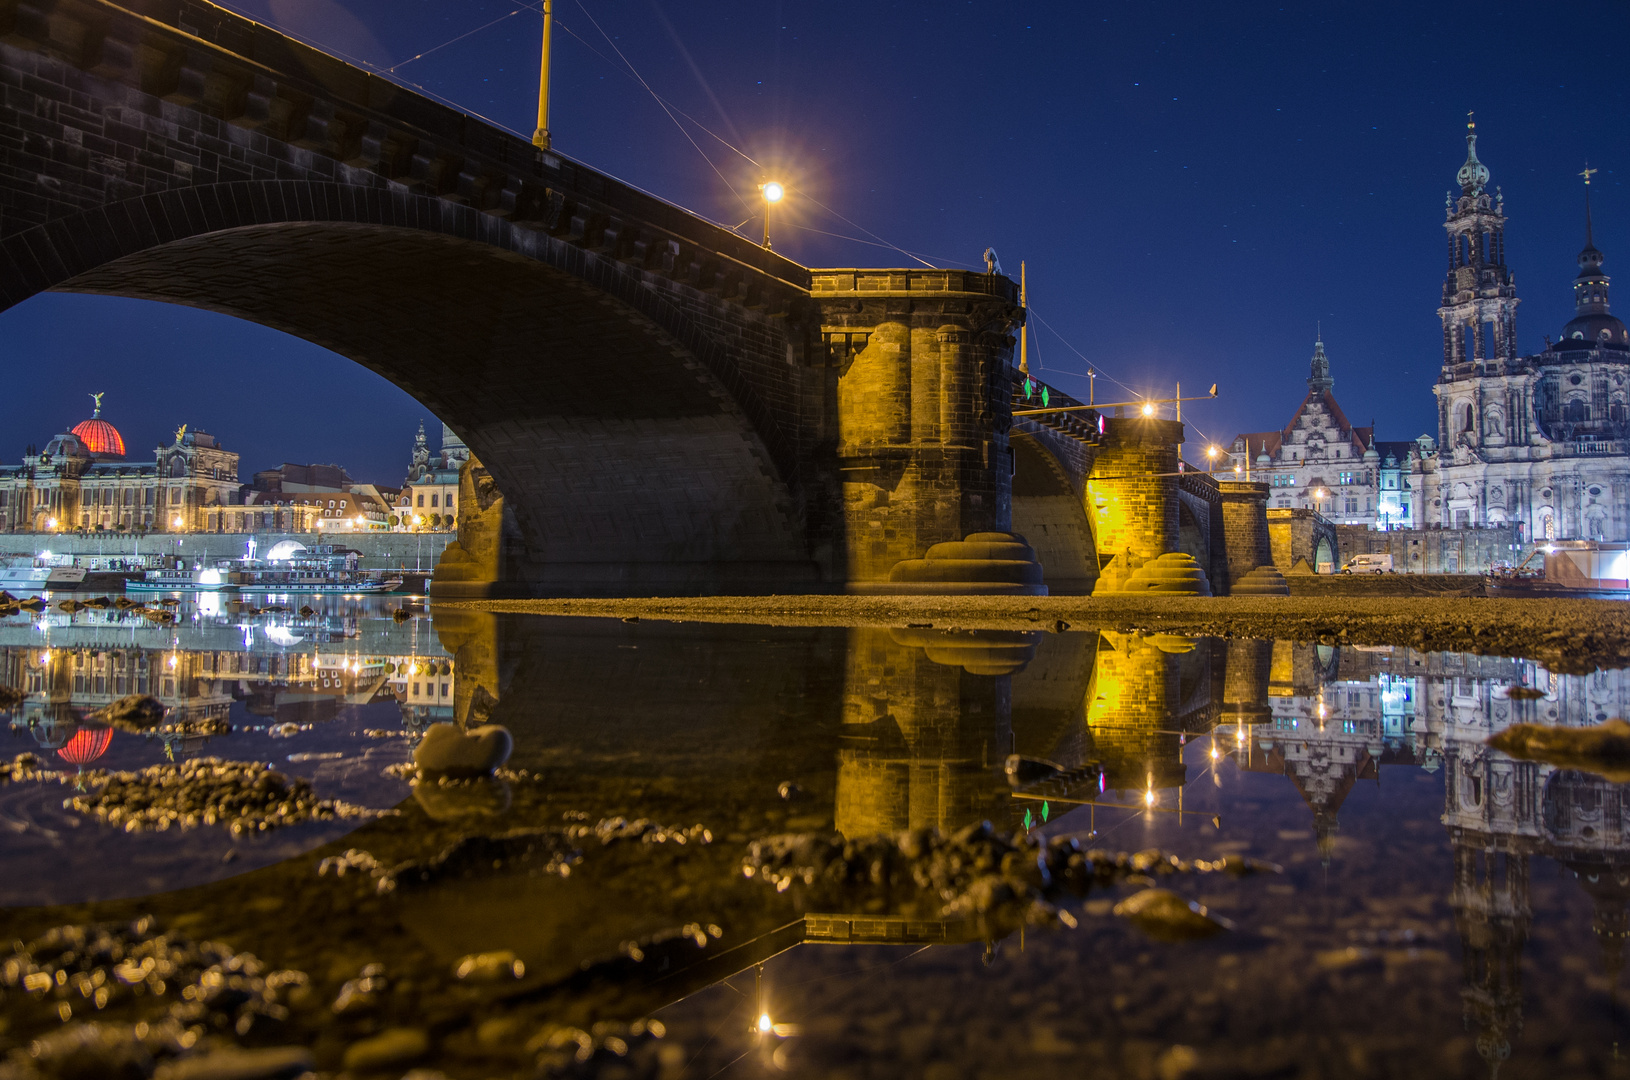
x: 456, y: 40
x: 658, y: 98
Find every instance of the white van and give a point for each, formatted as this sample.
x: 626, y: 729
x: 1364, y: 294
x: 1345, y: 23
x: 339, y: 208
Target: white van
x: 1368, y: 564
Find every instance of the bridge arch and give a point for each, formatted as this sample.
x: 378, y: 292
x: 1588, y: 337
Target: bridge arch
x: 1050, y: 512
x: 632, y: 451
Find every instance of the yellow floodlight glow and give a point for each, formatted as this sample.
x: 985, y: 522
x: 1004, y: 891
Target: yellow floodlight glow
x: 764, y: 1023
x: 774, y: 192
x: 1149, y: 797
x: 50, y: 523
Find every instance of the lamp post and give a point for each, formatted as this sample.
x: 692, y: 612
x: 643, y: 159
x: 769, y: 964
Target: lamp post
x: 773, y: 193
x: 540, y: 137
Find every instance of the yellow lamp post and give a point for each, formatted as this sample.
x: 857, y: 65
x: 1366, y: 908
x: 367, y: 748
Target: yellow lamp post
x: 540, y: 137
x: 773, y: 193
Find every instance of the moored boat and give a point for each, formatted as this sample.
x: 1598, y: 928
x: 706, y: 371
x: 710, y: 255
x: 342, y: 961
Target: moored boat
x: 323, y: 569
x: 1585, y: 570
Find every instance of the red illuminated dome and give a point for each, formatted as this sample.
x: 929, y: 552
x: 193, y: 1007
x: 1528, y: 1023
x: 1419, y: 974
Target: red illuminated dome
x: 101, y: 438
x: 86, y: 746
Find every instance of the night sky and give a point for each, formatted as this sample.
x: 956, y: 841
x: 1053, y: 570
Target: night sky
x: 1194, y: 186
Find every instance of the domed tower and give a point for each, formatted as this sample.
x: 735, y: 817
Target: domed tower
x: 102, y: 440
x: 1479, y: 309
x: 1591, y: 321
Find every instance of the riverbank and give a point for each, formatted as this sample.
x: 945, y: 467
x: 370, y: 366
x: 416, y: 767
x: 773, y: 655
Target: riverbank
x: 1567, y: 636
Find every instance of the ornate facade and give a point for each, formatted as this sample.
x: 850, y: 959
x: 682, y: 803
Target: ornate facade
x: 1538, y: 441
x: 429, y: 496
x: 1321, y: 461
x: 82, y: 481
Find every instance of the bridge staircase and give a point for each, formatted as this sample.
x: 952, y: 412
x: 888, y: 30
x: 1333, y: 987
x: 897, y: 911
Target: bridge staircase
x: 1029, y: 392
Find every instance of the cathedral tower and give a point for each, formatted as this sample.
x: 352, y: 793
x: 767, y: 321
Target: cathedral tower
x: 1479, y: 309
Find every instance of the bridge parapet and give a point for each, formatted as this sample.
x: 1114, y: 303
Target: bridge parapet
x: 348, y: 125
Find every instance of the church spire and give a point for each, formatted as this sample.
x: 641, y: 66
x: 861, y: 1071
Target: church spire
x: 1473, y: 175
x: 1479, y: 308
x: 1590, y: 287
x: 1319, y: 380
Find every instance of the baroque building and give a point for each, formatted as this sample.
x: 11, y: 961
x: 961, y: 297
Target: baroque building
x: 430, y: 493
x: 1535, y: 441
x: 81, y: 480
x: 1321, y: 461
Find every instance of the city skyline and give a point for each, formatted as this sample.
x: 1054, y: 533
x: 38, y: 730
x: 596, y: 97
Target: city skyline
x: 1307, y: 150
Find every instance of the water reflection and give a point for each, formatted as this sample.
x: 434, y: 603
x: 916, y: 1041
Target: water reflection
x: 633, y: 741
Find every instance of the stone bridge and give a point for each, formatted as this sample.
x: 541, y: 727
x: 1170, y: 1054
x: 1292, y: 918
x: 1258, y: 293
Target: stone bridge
x: 665, y: 406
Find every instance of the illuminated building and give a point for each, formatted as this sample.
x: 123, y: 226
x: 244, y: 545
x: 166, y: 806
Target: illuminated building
x: 1537, y: 441
x: 82, y: 481
x: 429, y: 496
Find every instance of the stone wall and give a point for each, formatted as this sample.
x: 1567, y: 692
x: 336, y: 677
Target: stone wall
x: 1295, y: 536
x: 1245, y: 539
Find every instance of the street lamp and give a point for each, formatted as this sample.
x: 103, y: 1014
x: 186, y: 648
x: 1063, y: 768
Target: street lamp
x: 1211, y: 455
x: 773, y: 193
x: 1148, y: 408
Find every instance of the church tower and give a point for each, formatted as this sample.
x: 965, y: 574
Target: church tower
x: 1479, y: 309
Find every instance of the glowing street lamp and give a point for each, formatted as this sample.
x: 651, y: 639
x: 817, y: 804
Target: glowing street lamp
x: 1148, y: 408
x: 773, y: 193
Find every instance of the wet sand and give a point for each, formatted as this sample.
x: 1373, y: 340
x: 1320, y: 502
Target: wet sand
x: 1567, y: 636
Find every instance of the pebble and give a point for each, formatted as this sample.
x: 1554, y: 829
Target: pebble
x: 447, y: 750
x: 1163, y: 915
x: 1603, y: 749
x: 390, y: 1048
x: 135, y: 712
x: 489, y: 967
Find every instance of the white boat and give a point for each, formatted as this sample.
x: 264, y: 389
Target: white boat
x: 40, y: 578
x: 199, y: 579
x: 320, y: 569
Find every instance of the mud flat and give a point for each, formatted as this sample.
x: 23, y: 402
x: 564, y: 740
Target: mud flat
x: 1567, y: 636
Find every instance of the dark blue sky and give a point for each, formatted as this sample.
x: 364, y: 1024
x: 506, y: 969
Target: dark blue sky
x: 1194, y: 186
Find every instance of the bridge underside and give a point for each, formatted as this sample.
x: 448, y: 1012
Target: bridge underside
x: 624, y: 464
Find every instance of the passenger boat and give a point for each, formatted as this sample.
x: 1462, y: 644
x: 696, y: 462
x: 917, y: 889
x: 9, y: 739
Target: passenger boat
x: 40, y: 578
x: 1578, y: 569
x: 197, y: 579
x: 320, y: 569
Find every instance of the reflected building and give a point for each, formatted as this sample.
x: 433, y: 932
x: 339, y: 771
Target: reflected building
x: 283, y: 669
x: 1349, y: 711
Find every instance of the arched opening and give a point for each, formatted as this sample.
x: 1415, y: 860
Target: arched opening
x: 627, y: 455
x: 1324, y: 557
x: 1050, y: 514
